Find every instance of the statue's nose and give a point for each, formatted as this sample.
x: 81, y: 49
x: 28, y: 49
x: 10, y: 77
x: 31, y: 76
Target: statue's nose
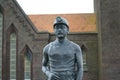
x: 59, y: 29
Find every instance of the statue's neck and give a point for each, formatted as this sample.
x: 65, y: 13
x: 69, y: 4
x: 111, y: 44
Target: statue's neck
x: 61, y: 40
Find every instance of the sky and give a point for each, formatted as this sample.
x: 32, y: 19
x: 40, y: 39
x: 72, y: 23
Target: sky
x: 56, y: 6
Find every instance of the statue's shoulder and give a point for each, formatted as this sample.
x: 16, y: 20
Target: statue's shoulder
x: 75, y: 46
x: 45, y: 49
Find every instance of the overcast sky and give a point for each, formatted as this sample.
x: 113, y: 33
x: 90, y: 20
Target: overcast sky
x: 56, y: 6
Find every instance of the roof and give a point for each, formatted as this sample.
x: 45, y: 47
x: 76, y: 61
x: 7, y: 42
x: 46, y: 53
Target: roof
x: 77, y: 22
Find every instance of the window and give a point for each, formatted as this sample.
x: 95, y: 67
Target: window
x: 13, y: 56
x: 27, y: 63
x: 1, y: 19
x: 84, y: 50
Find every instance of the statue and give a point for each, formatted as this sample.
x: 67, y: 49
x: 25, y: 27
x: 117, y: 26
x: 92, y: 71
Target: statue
x: 62, y: 58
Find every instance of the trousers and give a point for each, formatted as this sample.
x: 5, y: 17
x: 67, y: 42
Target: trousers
x: 65, y: 75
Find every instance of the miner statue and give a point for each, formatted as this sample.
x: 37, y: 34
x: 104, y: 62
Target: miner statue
x: 62, y: 58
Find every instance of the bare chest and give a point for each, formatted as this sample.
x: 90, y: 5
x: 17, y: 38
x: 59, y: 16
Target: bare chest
x: 61, y: 52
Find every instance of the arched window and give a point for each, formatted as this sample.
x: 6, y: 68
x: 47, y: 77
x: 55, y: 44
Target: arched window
x: 27, y: 63
x: 84, y: 50
x: 1, y: 21
x: 13, y: 56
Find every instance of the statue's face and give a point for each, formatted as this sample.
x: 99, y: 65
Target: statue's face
x: 61, y: 30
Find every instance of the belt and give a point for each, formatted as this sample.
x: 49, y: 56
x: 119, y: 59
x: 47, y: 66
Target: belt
x: 65, y: 72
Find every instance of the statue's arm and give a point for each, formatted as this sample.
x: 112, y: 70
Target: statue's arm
x: 45, y: 66
x: 45, y: 60
x: 79, y: 61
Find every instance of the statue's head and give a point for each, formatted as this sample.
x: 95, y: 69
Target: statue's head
x: 61, y: 27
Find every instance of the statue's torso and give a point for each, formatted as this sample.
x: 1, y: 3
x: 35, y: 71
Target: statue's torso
x: 61, y: 57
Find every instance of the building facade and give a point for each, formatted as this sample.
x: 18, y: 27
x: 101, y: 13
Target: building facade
x: 21, y: 46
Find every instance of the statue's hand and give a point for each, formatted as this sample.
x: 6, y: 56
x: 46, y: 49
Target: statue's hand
x: 52, y: 76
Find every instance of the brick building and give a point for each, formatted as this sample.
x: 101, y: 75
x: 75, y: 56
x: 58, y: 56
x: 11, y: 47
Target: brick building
x: 22, y: 40
x: 21, y: 43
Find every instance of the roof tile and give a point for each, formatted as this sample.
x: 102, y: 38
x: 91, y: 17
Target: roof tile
x: 77, y: 22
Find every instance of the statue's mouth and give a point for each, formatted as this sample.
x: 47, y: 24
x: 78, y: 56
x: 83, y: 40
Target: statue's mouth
x: 60, y: 33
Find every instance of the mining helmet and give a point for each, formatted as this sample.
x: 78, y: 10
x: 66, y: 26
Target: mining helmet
x: 60, y: 20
